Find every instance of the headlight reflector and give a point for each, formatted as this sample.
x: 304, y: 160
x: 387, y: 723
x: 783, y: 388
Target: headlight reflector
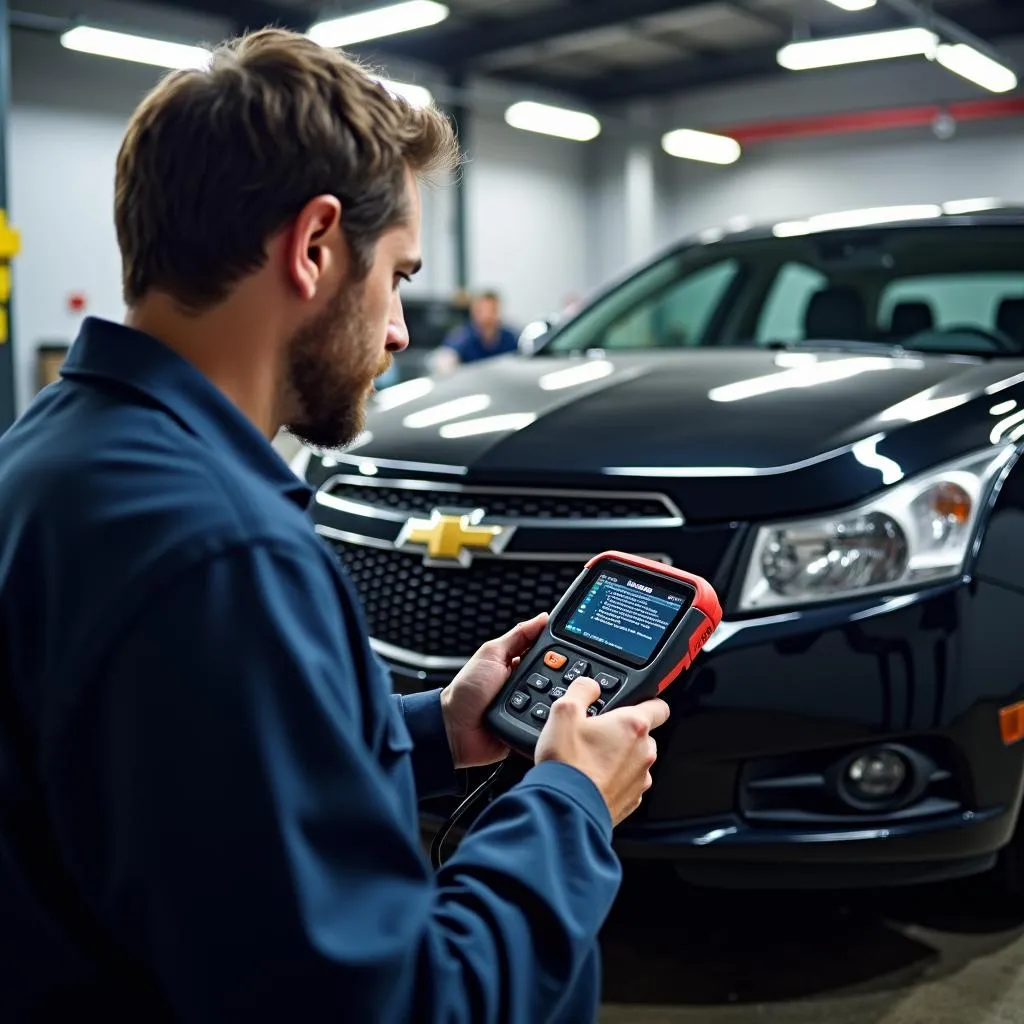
x: 915, y: 533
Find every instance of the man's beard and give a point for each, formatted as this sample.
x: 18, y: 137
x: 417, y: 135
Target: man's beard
x: 331, y: 374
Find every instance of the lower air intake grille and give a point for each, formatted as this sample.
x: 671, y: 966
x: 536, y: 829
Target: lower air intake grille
x: 449, y: 612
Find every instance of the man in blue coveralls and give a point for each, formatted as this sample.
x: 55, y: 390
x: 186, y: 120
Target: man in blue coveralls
x: 482, y: 337
x: 207, y: 789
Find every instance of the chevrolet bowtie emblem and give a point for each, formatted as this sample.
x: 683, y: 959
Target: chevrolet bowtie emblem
x: 452, y: 537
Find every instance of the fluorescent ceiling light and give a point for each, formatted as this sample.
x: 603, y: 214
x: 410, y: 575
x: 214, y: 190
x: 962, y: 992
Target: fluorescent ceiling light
x: 414, y: 95
x: 856, y: 219
x: 688, y: 144
x: 141, y: 49
x: 823, y: 53
x: 973, y: 65
x: 854, y: 5
x: 563, y: 124
x: 384, y: 21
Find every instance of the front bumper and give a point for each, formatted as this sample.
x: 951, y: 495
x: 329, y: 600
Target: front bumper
x: 743, y: 789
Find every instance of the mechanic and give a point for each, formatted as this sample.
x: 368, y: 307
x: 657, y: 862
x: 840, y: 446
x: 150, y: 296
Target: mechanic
x: 482, y: 337
x: 207, y: 789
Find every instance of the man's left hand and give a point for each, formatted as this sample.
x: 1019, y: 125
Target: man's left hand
x: 465, y: 699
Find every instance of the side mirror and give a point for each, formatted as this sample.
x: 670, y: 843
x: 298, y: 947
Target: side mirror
x: 531, y: 336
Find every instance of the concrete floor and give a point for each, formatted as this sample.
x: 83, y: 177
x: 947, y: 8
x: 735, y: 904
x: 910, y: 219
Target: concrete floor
x: 932, y: 955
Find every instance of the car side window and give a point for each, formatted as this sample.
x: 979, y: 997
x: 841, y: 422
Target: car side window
x: 678, y: 315
x: 782, y: 316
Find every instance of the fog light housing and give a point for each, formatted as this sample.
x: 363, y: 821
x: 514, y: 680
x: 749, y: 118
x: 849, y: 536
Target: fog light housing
x: 878, y: 775
x: 879, y: 778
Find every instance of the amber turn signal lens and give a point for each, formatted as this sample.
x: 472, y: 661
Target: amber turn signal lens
x: 1011, y: 723
x: 952, y: 502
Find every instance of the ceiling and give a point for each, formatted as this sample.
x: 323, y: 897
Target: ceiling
x: 608, y: 51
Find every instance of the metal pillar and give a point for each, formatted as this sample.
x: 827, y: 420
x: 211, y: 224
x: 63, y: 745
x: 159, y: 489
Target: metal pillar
x: 460, y: 115
x: 9, y: 242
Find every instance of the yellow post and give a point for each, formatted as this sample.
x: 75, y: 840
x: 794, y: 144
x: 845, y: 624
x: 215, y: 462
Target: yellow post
x: 10, y: 246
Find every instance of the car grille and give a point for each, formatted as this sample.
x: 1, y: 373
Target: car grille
x: 441, y: 613
x: 508, y: 505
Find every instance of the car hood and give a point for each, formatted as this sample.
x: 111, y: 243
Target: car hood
x: 725, y: 428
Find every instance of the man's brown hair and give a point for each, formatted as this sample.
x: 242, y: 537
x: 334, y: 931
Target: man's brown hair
x: 216, y: 160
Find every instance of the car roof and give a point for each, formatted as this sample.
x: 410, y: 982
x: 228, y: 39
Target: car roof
x: 959, y: 213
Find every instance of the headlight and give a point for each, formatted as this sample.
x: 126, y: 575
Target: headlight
x: 916, y: 533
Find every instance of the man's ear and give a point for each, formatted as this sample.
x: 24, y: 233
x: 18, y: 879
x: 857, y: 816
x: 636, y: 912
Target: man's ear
x: 314, y: 246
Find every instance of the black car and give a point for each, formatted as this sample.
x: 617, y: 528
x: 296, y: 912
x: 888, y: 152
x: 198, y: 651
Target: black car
x: 823, y: 419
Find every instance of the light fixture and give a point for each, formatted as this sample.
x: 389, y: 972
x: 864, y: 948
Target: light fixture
x: 687, y: 144
x: 853, y: 5
x: 557, y: 121
x: 414, y: 95
x: 823, y: 53
x: 382, y: 21
x: 969, y: 63
x: 159, y: 53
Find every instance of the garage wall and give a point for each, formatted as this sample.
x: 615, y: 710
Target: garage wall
x: 527, y: 213
x: 524, y: 194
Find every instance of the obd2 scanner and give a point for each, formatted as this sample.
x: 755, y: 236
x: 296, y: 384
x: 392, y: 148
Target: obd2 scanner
x: 632, y: 624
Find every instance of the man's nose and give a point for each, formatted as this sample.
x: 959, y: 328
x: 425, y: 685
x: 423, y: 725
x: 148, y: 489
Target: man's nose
x: 398, y: 333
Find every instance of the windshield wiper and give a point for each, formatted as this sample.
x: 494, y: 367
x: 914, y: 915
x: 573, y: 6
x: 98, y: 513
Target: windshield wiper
x: 841, y: 345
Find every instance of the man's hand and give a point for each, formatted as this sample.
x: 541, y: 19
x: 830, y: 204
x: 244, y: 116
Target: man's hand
x: 465, y: 699
x: 615, y: 750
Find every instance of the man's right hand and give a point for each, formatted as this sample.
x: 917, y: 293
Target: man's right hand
x: 615, y: 750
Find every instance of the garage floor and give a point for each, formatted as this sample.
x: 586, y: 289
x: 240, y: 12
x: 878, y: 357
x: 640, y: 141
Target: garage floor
x: 921, y: 956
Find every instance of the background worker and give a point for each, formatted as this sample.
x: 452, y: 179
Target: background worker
x: 483, y: 336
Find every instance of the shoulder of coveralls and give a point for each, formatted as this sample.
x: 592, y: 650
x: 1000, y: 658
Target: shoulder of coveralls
x: 110, y: 500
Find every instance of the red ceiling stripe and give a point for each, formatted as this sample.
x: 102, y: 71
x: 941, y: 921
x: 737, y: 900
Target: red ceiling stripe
x: 873, y: 120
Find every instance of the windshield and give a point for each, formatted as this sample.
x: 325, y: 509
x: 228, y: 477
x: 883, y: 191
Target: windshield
x: 955, y: 289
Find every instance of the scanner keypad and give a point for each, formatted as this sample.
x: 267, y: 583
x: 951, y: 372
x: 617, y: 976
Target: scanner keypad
x: 554, y: 671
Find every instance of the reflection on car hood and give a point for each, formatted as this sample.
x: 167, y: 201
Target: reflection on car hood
x: 721, y: 427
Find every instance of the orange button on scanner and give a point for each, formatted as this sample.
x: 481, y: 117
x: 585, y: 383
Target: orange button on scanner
x: 555, y: 660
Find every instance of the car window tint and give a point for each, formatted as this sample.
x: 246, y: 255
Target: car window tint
x: 782, y: 316
x: 965, y: 300
x: 676, y: 316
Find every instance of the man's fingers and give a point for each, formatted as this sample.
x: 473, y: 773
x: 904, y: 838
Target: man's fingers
x: 521, y: 637
x: 655, y: 712
x: 581, y: 693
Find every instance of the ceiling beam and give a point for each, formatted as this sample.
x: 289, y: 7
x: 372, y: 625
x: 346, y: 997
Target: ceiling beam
x: 491, y: 36
x: 992, y: 24
x: 247, y: 15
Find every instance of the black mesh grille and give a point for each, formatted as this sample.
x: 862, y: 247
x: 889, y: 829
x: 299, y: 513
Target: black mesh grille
x: 508, y: 504
x: 449, y: 612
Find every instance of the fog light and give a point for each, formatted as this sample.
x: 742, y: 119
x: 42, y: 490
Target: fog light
x: 878, y: 775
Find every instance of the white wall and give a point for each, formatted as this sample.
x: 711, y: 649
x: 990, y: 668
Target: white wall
x: 527, y: 214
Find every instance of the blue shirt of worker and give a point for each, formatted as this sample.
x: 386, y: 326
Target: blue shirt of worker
x: 208, y: 792
x: 471, y: 346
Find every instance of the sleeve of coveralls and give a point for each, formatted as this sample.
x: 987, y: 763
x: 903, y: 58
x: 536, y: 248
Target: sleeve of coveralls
x: 246, y: 843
